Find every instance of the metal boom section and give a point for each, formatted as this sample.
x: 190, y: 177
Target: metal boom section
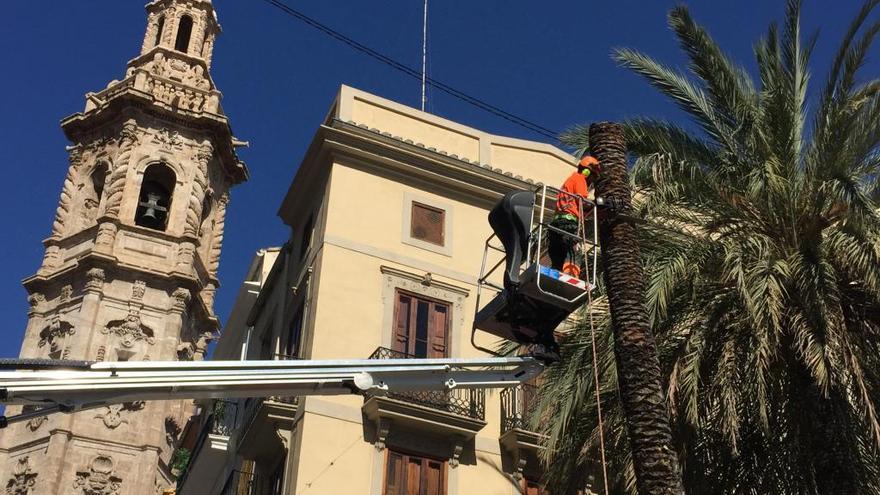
x: 70, y: 386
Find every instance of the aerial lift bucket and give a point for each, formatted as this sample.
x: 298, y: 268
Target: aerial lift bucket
x: 534, y: 299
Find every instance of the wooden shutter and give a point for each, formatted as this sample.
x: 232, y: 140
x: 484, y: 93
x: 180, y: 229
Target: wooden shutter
x: 402, y: 316
x: 438, y: 332
x: 395, y: 475
x: 433, y: 484
x: 413, y: 475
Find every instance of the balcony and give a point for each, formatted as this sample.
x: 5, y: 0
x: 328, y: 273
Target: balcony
x: 265, y: 422
x: 519, y: 443
x: 456, y: 414
x: 210, y: 450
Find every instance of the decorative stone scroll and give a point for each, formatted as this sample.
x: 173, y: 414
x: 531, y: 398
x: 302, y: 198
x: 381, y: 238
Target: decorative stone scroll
x: 99, y: 478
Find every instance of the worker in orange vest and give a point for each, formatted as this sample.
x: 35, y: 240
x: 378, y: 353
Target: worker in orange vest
x: 569, y: 206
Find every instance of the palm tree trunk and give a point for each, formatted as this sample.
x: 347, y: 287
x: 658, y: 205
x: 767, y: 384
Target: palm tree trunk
x: 638, y: 367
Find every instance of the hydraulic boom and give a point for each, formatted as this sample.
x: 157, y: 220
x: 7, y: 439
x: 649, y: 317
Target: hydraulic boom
x: 70, y: 386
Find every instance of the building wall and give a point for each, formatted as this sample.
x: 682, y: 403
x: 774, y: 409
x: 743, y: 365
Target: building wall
x: 350, y: 200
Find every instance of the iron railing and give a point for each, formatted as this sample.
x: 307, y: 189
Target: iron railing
x: 470, y: 403
x: 517, y: 407
x: 221, y: 421
x: 241, y: 483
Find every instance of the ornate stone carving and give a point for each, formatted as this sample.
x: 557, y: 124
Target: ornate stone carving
x: 208, y: 295
x: 130, y: 331
x: 185, y: 257
x: 106, y: 235
x: 99, y: 478
x: 128, y: 139
x: 180, y: 299
x: 62, y: 214
x: 138, y: 289
x: 217, y: 241
x: 185, y: 352
x: 55, y: 336
x: 94, y: 280
x: 169, y: 140
x: 34, y: 424
x: 23, y: 478
x: 200, y: 182
x: 35, y: 301
x: 208, y: 49
x: 112, y: 416
x: 51, y: 258
x: 65, y: 294
x: 196, y: 78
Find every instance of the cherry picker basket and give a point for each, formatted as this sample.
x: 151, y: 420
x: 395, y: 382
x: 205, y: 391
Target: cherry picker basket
x: 532, y: 299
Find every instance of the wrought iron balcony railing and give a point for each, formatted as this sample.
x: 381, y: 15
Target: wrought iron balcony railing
x: 221, y: 421
x: 463, y: 402
x: 241, y: 483
x: 517, y: 407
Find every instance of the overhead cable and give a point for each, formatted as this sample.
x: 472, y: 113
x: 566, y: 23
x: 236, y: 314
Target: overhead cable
x: 498, y: 112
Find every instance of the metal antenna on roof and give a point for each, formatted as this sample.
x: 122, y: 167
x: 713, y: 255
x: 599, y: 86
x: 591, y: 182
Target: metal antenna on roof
x: 424, y: 55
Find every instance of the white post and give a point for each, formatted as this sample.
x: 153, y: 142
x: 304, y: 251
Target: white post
x: 424, y: 55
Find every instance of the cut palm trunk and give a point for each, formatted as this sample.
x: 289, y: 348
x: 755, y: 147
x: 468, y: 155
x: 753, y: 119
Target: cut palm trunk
x: 638, y: 367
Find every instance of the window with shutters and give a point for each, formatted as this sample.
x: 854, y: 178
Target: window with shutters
x: 414, y: 475
x: 421, y: 326
x: 427, y: 224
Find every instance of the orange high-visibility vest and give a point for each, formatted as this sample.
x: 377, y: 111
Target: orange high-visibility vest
x: 566, y: 204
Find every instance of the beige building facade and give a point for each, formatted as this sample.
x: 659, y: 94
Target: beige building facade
x: 388, y: 214
x: 130, y: 268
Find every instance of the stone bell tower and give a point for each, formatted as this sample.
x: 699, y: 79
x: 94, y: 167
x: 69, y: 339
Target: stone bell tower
x: 130, y: 269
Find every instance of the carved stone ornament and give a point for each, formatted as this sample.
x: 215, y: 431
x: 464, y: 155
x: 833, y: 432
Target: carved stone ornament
x: 55, y: 335
x: 23, y: 478
x: 180, y: 299
x: 66, y: 293
x: 36, y: 300
x: 34, y: 424
x: 95, y: 279
x: 168, y: 140
x: 106, y: 234
x: 99, y: 479
x: 138, y: 290
x: 112, y: 416
x: 130, y: 331
x: 185, y: 352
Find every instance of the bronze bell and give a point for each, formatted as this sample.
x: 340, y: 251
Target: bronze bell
x: 154, y: 213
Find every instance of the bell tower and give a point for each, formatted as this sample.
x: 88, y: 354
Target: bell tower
x: 130, y: 267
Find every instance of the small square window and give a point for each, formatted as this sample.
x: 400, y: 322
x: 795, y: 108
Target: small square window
x: 427, y: 224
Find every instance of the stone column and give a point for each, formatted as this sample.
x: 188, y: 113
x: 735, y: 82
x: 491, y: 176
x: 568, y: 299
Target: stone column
x: 93, y: 293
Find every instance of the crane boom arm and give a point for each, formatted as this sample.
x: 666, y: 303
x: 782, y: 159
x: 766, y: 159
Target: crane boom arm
x: 77, y: 385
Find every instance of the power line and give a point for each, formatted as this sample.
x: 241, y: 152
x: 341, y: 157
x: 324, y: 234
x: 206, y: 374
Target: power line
x: 498, y: 112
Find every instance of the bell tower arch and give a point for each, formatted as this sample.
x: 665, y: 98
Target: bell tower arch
x: 130, y: 265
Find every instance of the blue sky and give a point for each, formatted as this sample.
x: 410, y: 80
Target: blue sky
x: 545, y: 61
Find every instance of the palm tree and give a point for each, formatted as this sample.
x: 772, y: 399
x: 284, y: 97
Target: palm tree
x: 760, y: 238
x: 641, y: 393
